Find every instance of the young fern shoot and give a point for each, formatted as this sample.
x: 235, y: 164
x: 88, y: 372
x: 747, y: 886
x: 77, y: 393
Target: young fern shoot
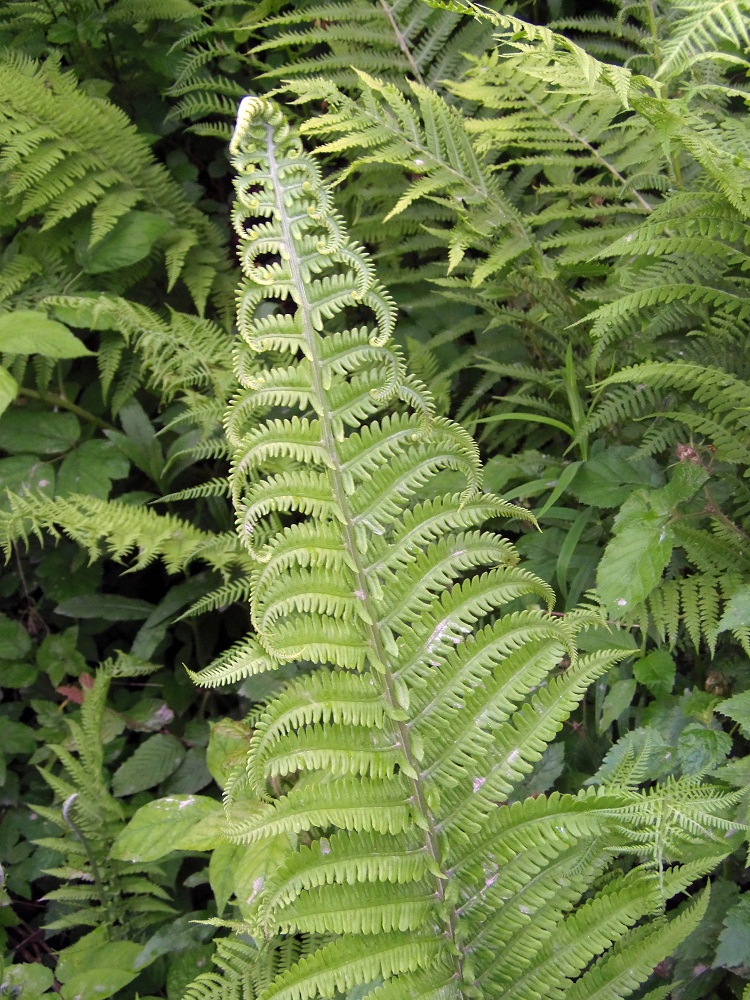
x: 431, y: 675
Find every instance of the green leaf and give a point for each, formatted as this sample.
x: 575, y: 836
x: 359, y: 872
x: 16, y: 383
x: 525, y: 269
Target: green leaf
x: 110, y: 607
x: 129, y: 241
x: 26, y: 979
x: 96, y: 984
x: 27, y: 331
x: 191, y: 776
x: 15, y: 643
x: 8, y: 389
x: 58, y: 655
x: 154, y: 760
x: 656, y: 672
x: 91, y: 468
x: 734, y: 940
x: 737, y: 708
x: 169, y: 824
x: 25, y: 474
x: 16, y: 738
x: 17, y: 675
x: 636, y: 556
x: 737, y: 611
x: 618, y: 700
x: 700, y: 748
x: 184, y: 966
x: 610, y: 478
x: 241, y: 871
x: 94, y: 951
x: 39, y: 432
x: 139, y: 442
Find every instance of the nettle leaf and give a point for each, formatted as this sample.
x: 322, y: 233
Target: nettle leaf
x: 737, y: 610
x: 39, y: 432
x: 636, y: 556
x: 91, y: 468
x: 737, y: 708
x: 609, y: 479
x: 129, y: 241
x: 27, y: 331
x: 25, y: 474
x: 734, y: 940
x: 174, y: 823
x: 154, y: 760
x: 656, y: 671
x: 700, y: 748
x: 15, y: 643
x: 95, y: 968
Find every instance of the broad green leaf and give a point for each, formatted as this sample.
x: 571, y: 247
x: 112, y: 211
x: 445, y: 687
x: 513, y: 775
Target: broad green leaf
x: 154, y: 760
x: 129, y: 241
x: 192, y: 775
x: 91, y: 468
x: 241, y: 871
x: 96, y: 984
x: 700, y: 748
x: 184, y: 966
x: 27, y: 331
x: 95, y: 951
x: 110, y: 607
x: 737, y: 708
x: 15, y: 737
x: 618, y: 700
x: 38, y: 432
x: 14, y: 639
x: 58, y: 655
x: 608, y: 479
x: 165, y: 825
x: 17, y: 675
x: 737, y: 612
x: 734, y: 940
x: 27, y: 979
x: 25, y: 474
x: 8, y: 389
x: 656, y: 672
x: 139, y: 442
x: 636, y: 556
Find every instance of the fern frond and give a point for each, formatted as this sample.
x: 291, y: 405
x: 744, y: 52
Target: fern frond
x: 434, y: 678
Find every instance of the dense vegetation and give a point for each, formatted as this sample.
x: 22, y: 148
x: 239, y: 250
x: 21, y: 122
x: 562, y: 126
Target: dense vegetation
x: 282, y: 548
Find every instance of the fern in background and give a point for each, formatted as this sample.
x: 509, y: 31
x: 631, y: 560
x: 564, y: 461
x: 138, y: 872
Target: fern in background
x: 122, y: 897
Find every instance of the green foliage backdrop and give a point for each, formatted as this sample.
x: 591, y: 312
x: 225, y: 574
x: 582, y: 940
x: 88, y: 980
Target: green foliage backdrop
x: 555, y: 198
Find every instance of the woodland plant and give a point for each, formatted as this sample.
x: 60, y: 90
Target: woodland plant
x: 433, y: 679
x: 556, y: 198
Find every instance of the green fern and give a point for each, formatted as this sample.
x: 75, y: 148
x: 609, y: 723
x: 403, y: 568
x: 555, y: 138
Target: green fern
x: 77, y: 166
x: 125, y: 898
x: 437, y: 684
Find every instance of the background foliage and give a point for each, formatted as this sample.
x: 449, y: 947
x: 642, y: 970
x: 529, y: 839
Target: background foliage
x: 559, y: 206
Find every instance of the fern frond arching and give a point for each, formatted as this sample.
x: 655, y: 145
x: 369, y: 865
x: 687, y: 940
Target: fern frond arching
x: 433, y: 678
x: 64, y: 152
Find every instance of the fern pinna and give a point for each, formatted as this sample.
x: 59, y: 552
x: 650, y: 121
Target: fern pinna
x: 431, y: 679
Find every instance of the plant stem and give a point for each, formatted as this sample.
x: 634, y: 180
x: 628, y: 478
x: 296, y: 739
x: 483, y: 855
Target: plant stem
x: 53, y: 399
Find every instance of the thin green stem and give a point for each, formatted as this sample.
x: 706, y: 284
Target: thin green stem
x: 363, y: 591
x: 53, y: 399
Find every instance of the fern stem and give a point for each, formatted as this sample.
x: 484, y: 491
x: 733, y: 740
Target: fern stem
x: 53, y: 399
x: 340, y: 496
x: 66, y: 809
x: 595, y: 153
x: 402, y: 43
